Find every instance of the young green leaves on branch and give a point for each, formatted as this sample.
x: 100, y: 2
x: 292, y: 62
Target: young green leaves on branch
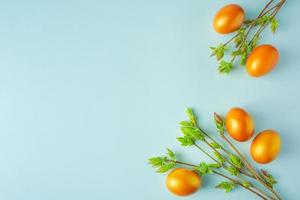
x: 245, y: 39
x: 218, y: 51
x: 233, y: 170
x: 221, y: 160
x: 219, y: 122
x: 191, y: 133
x: 215, y: 145
x: 205, y: 168
x: 226, y: 185
x: 274, y: 25
x: 268, y: 20
x: 227, y: 164
x: 163, y: 163
x: 236, y: 161
x: 225, y: 67
x: 269, y: 179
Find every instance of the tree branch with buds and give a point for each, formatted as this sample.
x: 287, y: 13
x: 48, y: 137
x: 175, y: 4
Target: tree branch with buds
x: 247, y: 37
x: 229, y: 164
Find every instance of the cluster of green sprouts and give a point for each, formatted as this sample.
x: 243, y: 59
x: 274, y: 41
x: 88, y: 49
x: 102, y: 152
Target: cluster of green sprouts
x: 231, y: 164
x: 246, y: 38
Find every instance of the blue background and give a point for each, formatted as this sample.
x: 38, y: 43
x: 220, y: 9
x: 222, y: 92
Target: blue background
x: 90, y: 89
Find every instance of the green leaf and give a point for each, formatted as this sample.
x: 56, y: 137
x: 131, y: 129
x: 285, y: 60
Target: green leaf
x: 227, y: 186
x: 166, y: 167
x: 244, y: 56
x: 189, y: 129
x: 240, y: 38
x: 225, y: 67
x: 186, y: 141
x: 235, y: 160
x: 186, y: 130
x: 246, y: 184
x: 203, y: 168
x: 215, y: 145
x: 274, y: 24
x: 236, y: 53
x: 186, y: 124
x: 232, y: 170
x: 192, y: 132
x: 157, y: 161
x: 162, y: 164
x: 218, y: 51
x: 190, y: 113
x: 263, y: 20
x: 171, y: 154
x: 219, y: 157
x: 269, y: 179
x: 214, y: 165
x: 197, y: 134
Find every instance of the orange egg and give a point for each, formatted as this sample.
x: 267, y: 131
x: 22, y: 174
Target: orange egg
x: 262, y: 60
x: 239, y: 124
x: 183, y: 182
x: 229, y: 19
x: 265, y: 147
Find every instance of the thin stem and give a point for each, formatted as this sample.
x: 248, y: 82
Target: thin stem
x: 263, y: 26
x: 212, y: 139
x: 187, y: 164
x: 239, y: 183
x: 267, y: 5
x: 222, y: 148
x: 231, y: 39
x: 256, y: 188
x: 205, y: 152
x: 273, y: 14
x: 275, y: 6
x: 226, y: 43
x: 260, y: 14
x: 215, y: 150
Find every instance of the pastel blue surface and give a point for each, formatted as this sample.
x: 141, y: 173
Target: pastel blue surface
x: 90, y: 89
